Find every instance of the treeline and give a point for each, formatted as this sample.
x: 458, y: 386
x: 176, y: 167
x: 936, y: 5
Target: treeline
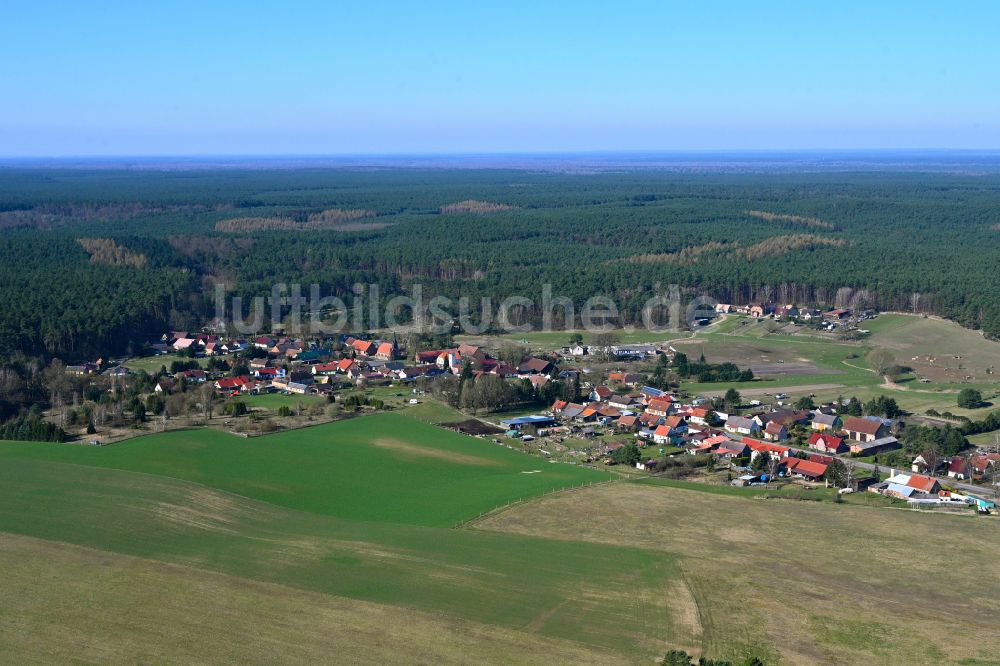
x: 54, y: 301
x: 32, y: 428
x: 949, y: 440
x: 491, y: 393
x: 709, y: 372
x: 913, y: 242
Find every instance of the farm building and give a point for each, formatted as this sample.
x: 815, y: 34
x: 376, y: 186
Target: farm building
x: 861, y: 429
x: 924, y: 484
x: 875, y: 447
x: 899, y: 491
x: 533, y: 422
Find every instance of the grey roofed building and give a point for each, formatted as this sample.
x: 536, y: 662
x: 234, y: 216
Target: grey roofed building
x: 633, y: 350
x: 899, y: 490
x: 829, y: 420
x: 741, y: 423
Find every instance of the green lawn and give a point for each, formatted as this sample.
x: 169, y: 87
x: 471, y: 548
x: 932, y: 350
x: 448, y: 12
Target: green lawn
x: 986, y: 438
x: 433, y: 411
x: 385, y: 467
x: 272, y: 401
x: 152, y: 364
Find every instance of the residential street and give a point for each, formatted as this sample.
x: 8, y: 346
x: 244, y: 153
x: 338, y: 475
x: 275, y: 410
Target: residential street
x: 983, y: 491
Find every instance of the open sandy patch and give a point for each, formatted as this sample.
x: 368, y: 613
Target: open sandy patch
x: 407, y: 449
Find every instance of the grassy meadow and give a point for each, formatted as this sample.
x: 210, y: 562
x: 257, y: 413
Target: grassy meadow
x: 385, y: 467
x: 801, y: 582
x: 807, y: 362
x: 152, y: 364
x: 274, y: 401
x: 605, y: 597
x: 69, y: 604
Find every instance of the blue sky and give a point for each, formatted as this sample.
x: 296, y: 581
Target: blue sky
x: 177, y: 78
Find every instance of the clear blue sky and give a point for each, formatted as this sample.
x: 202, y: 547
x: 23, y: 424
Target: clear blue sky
x: 244, y: 77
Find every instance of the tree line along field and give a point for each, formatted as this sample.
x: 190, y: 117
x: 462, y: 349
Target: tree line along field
x: 98, y: 261
x: 322, y: 511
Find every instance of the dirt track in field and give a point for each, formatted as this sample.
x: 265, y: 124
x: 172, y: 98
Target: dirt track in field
x: 771, y: 390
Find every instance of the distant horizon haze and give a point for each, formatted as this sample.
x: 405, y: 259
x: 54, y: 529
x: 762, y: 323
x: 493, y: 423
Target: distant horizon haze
x: 266, y: 79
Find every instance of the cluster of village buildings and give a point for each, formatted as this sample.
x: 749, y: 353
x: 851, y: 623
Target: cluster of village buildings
x: 291, y: 365
x: 658, y: 418
x: 762, y: 310
x: 653, y: 416
x: 829, y: 319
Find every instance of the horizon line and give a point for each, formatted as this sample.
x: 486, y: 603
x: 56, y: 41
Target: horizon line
x: 575, y: 151
x: 542, y: 154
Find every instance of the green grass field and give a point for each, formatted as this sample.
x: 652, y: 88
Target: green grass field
x: 606, y: 598
x: 432, y: 411
x: 273, y: 401
x: 69, y: 604
x: 385, y: 467
x: 152, y: 364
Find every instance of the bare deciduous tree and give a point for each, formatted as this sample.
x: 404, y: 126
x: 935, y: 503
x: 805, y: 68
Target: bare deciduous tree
x: 880, y: 360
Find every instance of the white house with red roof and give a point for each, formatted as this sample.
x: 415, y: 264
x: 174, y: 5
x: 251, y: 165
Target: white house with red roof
x: 775, y: 451
x: 826, y: 443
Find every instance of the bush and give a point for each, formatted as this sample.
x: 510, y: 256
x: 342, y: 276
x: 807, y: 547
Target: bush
x: 676, y: 658
x: 235, y: 408
x: 356, y: 400
x: 181, y: 366
x: 626, y: 455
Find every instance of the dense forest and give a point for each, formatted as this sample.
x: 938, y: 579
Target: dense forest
x: 98, y: 261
